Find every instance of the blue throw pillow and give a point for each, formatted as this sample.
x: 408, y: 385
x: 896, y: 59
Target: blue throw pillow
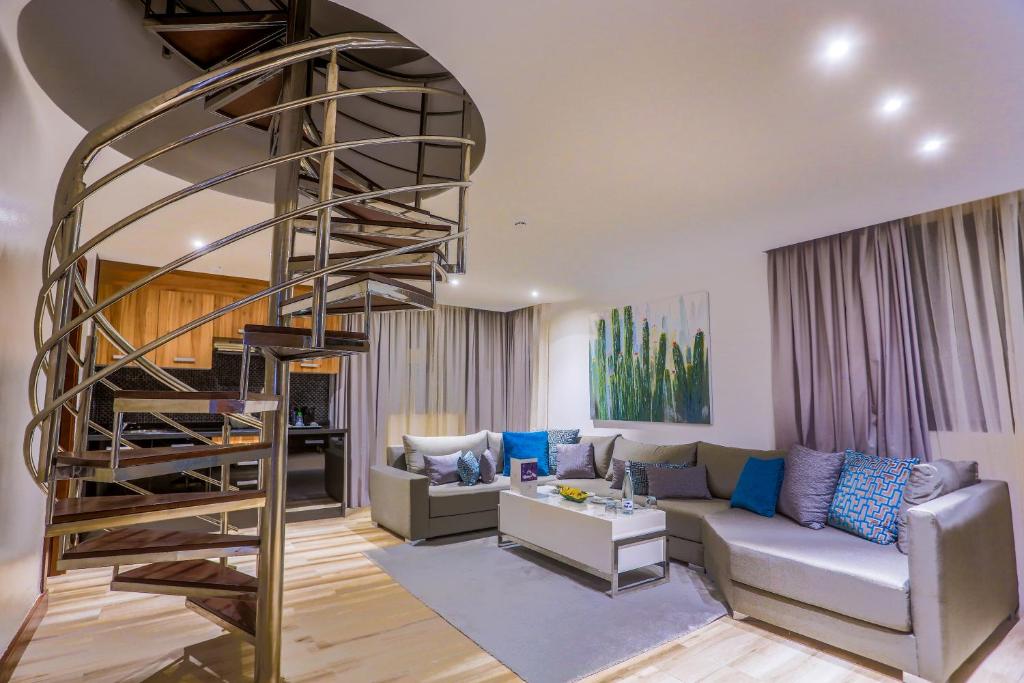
x: 868, y: 496
x: 469, y: 468
x: 524, y: 445
x: 758, y: 487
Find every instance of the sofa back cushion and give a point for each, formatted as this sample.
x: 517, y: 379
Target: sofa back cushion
x: 725, y: 463
x: 635, y: 451
x: 603, y: 446
x: 418, y: 446
x: 928, y: 481
x: 497, y: 446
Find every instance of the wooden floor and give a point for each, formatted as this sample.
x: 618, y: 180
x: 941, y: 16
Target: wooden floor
x: 345, y: 620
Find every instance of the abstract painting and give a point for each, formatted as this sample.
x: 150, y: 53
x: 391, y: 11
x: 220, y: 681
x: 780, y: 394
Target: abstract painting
x: 650, y: 362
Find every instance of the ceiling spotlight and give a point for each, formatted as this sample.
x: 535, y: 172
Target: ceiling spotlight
x: 535, y: 294
x: 932, y: 145
x: 454, y: 281
x: 198, y: 243
x: 892, y: 105
x: 837, y: 50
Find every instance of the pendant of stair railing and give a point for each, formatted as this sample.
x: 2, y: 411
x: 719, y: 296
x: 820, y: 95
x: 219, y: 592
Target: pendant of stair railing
x: 397, y: 244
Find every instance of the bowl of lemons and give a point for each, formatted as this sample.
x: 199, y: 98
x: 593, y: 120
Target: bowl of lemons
x: 572, y: 493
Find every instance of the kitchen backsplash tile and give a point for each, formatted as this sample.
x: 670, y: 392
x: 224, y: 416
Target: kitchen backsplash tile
x: 308, y: 390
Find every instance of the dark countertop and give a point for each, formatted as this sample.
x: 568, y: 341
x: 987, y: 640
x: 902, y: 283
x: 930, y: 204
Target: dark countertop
x: 169, y: 434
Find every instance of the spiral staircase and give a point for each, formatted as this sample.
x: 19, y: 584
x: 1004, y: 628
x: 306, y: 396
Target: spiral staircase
x: 350, y: 236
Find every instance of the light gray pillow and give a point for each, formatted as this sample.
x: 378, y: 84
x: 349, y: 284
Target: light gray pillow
x: 418, y: 446
x: 928, y: 481
x: 603, y: 446
x: 488, y: 466
x: 576, y: 461
x: 809, y: 484
x: 442, y: 469
x: 677, y: 482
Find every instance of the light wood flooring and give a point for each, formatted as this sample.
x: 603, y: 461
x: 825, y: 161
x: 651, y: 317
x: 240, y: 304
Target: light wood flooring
x: 346, y: 620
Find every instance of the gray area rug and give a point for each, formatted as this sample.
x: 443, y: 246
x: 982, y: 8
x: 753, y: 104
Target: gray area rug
x: 547, y: 622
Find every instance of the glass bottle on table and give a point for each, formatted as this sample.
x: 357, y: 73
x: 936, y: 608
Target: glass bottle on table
x: 627, y: 492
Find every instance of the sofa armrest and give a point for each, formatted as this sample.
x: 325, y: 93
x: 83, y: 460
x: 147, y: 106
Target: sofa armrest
x: 398, y: 501
x: 963, y: 574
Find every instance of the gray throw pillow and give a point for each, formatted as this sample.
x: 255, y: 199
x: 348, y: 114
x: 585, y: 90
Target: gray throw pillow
x: 441, y: 469
x: 928, y: 481
x: 809, y: 484
x: 576, y: 461
x: 555, y: 438
x: 617, y: 472
x: 488, y: 466
x: 674, y: 481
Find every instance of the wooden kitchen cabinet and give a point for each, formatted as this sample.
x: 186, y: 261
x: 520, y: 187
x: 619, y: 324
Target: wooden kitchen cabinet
x: 176, y: 299
x: 193, y: 349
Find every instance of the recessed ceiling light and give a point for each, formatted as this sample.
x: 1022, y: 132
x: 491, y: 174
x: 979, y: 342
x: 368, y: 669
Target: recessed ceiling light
x: 837, y: 50
x: 892, y: 105
x: 454, y: 281
x: 932, y: 145
x: 198, y: 243
x: 535, y: 294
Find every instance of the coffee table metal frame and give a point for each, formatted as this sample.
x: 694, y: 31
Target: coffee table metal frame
x: 508, y: 540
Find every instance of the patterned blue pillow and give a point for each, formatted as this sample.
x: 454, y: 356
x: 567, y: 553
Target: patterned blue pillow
x: 868, y: 496
x: 556, y: 437
x: 638, y: 470
x: 469, y: 468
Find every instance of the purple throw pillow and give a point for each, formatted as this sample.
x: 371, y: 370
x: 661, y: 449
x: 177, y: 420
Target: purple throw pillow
x: 442, y: 469
x: 488, y: 466
x: 576, y: 461
x: 618, y: 472
x: 678, y: 482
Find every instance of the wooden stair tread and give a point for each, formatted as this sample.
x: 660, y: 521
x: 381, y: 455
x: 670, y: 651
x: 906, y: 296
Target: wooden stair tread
x: 200, y: 395
x: 330, y: 334
x: 208, y: 402
x: 146, y: 456
x: 139, y: 541
x: 235, y: 614
x: 207, y: 39
x: 97, y: 512
x: 296, y: 343
x: 189, y: 574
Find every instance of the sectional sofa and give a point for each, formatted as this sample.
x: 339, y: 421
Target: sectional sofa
x: 825, y: 584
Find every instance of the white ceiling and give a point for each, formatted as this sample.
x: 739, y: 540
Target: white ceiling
x: 664, y: 134
x: 645, y: 142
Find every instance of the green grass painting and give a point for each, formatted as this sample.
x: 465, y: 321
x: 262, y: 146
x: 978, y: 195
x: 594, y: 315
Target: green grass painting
x: 649, y: 363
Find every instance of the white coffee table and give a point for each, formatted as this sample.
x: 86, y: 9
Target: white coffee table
x: 586, y: 537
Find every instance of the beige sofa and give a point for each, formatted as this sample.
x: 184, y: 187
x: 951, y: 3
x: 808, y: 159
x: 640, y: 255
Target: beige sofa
x: 826, y: 584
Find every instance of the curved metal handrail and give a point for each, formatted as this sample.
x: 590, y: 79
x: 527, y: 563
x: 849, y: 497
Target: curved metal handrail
x: 72, y: 195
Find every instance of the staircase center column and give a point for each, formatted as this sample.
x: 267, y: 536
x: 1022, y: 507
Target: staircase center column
x: 287, y: 138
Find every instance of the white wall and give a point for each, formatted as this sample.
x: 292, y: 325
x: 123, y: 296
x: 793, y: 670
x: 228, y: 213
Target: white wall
x: 739, y: 343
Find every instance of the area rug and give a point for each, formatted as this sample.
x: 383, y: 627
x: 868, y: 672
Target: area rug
x: 547, y: 622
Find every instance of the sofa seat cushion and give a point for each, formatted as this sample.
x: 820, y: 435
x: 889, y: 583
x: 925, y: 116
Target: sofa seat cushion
x: 457, y: 499
x: 599, y: 487
x: 683, y: 516
x: 827, y: 568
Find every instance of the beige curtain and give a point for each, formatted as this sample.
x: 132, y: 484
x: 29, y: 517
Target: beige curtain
x: 884, y: 333
x: 450, y: 370
x: 846, y: 369
x: 966, y: 266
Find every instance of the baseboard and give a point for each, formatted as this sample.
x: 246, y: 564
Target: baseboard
x: 12, y: 655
